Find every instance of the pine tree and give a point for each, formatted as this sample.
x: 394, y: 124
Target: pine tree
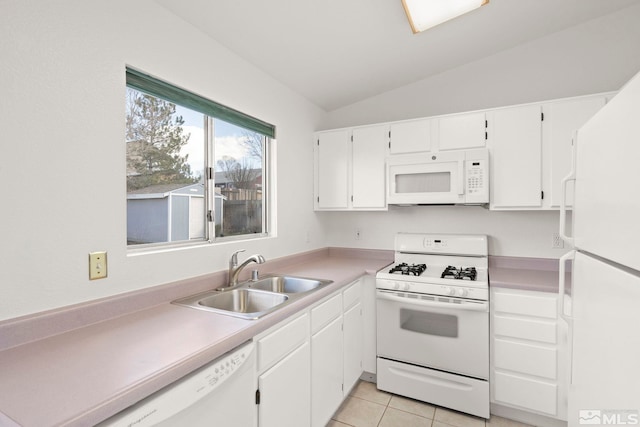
x: 154, y: 136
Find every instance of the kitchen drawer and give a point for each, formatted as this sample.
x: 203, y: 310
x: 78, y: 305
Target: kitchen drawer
x: 351, y: 296
x: 526, y: 393
x: 278, y: 344
x: 325, y: 313
x: 527, y: 329
x: 525, y: 358
x: 525, y: 303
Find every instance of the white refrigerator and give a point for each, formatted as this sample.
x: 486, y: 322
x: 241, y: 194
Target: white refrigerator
x: 601, y: 301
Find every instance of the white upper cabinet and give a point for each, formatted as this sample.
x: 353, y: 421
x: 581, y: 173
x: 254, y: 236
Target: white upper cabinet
x: 561, y: 120
x: 332, y: 168
x: 515, y: 143
x: 412, y: 136
x: 350, y: 168
x: 370, y: 147
x: 462, y: 131
x: 530, y: 150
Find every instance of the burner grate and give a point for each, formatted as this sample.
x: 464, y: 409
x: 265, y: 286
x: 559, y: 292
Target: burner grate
x: 406, y: 269
x: 460, y: 273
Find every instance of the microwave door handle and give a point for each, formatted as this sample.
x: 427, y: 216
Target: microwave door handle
x: 461, y: 179
x: 480, y: 306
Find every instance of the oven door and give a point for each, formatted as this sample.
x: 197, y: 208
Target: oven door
x: 425, y: 179
x: 448, y: 334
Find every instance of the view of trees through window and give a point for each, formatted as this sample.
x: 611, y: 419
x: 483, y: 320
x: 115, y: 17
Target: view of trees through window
x: 171, y: 197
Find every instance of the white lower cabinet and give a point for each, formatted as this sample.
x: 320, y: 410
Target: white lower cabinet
x: 308, y: 364
x: 528, y: 348
x: 326, y: 362
x: 353, y: 344
x: 284, y: 375
x: 336, y: 351
x: 285, y: 391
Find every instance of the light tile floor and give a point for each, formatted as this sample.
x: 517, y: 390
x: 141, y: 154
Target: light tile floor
x: 366, y: 406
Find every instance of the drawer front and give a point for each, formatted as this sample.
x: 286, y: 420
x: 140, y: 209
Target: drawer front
x: 526, y: 304
x: 351, y: 295
x: 325, y: 313
x: 278, y: 344
x: 525, y: 393
x: 525, y: 358
x: 527, y: 329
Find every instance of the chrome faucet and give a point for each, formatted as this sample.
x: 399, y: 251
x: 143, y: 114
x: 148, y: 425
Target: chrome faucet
x: 235, y: 269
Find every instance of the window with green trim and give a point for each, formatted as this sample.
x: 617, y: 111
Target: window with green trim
x: 196, y: 170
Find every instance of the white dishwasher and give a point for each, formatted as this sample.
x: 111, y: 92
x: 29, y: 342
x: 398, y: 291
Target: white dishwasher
x: 220, y: 394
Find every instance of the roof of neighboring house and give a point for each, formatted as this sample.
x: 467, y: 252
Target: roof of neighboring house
x: 159, y: 191
x: 220, y: 178
x: 160, y: 188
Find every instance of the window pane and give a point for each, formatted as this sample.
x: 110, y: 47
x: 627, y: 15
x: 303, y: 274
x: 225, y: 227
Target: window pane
x: 165, y: 170
x: 239, y: 163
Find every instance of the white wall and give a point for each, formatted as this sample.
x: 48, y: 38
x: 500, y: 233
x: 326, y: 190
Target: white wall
x: 526, y: 234
x: 62, y: 132
x: 597, y: 56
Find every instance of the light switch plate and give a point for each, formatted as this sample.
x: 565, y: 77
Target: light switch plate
x: 97, y: 265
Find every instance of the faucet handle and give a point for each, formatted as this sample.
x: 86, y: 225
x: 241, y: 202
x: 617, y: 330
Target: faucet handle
x: 234, y: 257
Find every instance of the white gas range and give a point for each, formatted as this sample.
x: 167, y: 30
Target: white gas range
x: 433, y: 321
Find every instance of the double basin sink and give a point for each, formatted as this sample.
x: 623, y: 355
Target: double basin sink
x: 254, y: 299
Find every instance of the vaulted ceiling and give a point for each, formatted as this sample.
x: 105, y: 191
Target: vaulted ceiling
x: 337, y: 52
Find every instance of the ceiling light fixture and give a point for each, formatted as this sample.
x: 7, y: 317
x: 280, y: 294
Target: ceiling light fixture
x: 424, y: 14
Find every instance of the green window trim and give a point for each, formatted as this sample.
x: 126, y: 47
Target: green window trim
x: 160, y: 89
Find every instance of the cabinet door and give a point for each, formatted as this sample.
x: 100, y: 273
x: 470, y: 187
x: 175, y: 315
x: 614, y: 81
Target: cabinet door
x: 285, y: 399
x: 353, y: 344
x: 515, y: 139
x: 561, y: 120
x: 326, y: 372
x: 410, y: 137
x: 368, y: 302
x: 369, y: 152
x: 462, y: 131
x: 332, y: 164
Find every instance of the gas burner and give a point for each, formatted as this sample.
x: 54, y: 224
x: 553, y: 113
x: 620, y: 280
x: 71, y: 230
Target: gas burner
x: 406, y: 269
x: 451, y: 272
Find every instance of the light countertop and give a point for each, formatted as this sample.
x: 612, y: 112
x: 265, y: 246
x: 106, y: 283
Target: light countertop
x: 84, y: 375
x: 532, y: 274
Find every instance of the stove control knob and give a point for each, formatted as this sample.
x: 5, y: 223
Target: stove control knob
x: 406, y: 286
x: 452, y: 291
x: 463, y: 292
x: 396, y: 286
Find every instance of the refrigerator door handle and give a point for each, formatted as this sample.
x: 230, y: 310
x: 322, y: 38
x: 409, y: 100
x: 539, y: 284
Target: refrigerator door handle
x: 562, y: 301
x: 563, y: 304
x: 563, y: 198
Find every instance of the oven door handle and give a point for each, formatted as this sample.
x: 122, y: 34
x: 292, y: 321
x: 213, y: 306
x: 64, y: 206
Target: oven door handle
x: 479, y: 306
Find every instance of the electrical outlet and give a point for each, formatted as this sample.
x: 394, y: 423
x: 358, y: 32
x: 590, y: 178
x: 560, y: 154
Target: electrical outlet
x: 358, y: 234
x: 556, y: 241
x: 97, y: 265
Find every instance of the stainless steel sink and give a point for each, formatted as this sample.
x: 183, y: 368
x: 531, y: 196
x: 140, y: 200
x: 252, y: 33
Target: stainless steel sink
x: 254, y: 299
x: 244, y: 303
x: 287, y: 284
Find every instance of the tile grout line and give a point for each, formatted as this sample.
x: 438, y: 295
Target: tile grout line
x: 387, y: 406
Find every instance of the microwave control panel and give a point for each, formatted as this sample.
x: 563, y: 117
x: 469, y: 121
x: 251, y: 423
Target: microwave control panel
x: 477, y: 180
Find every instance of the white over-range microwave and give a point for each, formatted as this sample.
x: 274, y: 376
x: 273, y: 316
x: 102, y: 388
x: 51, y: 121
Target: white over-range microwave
x: 447, y: 177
